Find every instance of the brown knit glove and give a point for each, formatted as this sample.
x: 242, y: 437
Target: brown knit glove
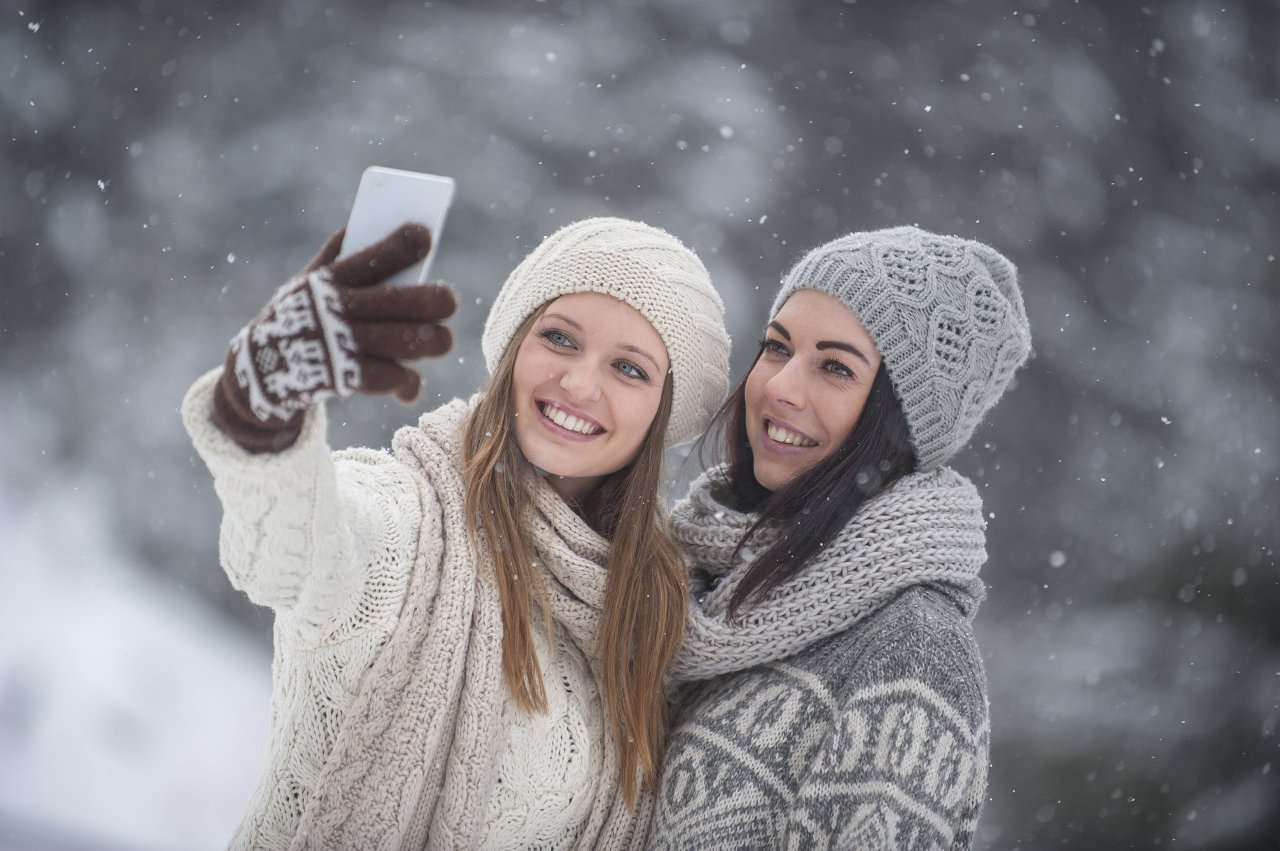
x: 330, y: 331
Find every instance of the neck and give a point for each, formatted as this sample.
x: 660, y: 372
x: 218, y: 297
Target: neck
x: 575, y: 491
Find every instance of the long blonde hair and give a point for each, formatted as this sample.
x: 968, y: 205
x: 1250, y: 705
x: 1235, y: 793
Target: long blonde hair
x: 642, y: 624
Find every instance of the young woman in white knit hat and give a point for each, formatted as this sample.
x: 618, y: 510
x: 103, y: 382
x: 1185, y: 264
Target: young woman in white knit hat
x: 838, y: 696
x: 471, y: 630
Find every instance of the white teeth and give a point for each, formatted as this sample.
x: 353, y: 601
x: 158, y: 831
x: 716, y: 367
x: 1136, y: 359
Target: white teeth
x: 783, y: 436
x: 568, y: 421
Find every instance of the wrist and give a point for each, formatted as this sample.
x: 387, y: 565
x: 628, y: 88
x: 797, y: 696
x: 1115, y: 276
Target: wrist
x: 234, y: 417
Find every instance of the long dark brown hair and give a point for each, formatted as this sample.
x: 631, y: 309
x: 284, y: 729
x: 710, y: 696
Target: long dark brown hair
x: 645, y: 591
x: 814, y: 506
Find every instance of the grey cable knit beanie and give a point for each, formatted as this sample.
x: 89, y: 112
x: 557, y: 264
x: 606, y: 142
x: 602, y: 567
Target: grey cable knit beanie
x: 650, y: 270
x: 946, y: 315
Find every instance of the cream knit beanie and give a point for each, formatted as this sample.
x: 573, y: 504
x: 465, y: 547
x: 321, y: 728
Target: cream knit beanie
x: 946, y: 314
x: 650, y: 270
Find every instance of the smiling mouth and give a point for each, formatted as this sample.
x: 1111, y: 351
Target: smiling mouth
x: 569, y: 421
x: 786, y: 436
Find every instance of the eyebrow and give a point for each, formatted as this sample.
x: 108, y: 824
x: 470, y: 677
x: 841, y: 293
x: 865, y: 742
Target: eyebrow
x: 566, y: 320
x: 626, y: 348
x: 822, y: 345
x: 642, y: 353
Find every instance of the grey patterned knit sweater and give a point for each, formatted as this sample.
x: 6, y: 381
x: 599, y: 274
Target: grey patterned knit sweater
x: 849, y: 710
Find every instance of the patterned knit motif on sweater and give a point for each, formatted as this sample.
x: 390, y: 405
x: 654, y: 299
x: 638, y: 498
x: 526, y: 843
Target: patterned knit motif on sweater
x: 391, y: 726
x: 870, y: 734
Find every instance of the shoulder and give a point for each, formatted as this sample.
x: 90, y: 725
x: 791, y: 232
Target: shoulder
x: 923, y: 623
x: 435, y: 441
x: 921, y: 643
x: 419, y: 471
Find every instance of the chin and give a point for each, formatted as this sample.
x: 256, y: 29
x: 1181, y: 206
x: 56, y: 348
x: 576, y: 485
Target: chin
x: 770, y: 480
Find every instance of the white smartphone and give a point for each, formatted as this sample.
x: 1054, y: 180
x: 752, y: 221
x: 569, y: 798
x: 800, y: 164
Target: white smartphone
x: 389, y: 197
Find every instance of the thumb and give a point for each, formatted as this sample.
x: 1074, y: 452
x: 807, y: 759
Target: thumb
x: 328, y: 252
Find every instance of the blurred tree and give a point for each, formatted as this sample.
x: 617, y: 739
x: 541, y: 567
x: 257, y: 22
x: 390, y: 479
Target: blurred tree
x: 165, y: 166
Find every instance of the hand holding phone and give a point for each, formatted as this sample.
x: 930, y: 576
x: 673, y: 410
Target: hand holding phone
x: 388, y: 198
x: 332, y: 330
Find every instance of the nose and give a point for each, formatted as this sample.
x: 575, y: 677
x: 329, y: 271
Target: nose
x: 786, y: 387
x: 581, y: 381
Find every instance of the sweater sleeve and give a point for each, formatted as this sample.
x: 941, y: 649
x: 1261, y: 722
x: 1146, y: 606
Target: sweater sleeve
x: 325, y: 539
x: 904, y: 764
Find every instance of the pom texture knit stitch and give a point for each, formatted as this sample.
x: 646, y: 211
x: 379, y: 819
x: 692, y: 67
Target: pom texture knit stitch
x: 650, y: 270
x: 391, y: 726
x: 946, y: 314
x: 849, y: 708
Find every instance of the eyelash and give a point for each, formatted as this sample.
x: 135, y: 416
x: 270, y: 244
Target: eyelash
x: 773, y: 347
x: 844, y: 372
x: 621, y: 365
x: 548, y: 333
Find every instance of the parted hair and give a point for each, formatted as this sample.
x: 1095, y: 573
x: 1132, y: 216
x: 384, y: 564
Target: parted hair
x: 646, y: 590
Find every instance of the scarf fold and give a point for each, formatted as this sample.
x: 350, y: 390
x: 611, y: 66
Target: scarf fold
x: 414, y: 763
x: 926, y: 528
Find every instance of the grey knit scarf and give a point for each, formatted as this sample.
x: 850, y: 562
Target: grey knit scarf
x: 927, y: 527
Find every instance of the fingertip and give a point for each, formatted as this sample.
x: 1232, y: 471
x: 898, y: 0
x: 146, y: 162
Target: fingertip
x: 409, y: 391
x: 442, y: 299
x: 441, y: 341
x: 417, y: 236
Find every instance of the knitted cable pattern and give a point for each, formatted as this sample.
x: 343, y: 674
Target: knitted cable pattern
x: 946, y: 315
x: 544, y: 786
x: 927, y: 527
x: 397, y: 735
x: 391, y: 724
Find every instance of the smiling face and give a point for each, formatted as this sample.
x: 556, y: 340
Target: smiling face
x: 807, y: 390
x: 587, y: 382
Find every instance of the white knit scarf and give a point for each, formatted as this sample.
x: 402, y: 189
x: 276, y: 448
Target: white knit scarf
x: 926, y: 528
x: 414, y: 763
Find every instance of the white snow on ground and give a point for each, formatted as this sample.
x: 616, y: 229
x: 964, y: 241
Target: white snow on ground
x: 131, y: 717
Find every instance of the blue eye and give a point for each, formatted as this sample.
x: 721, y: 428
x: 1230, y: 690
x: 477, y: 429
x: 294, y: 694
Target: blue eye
x: 630, y: 370
x: 557, y: 338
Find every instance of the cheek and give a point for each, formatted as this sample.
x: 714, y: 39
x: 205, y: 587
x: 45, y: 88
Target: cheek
x: 849, y: 411
x: 532, y: 368
x: 524, y: 364
x: 753, y: 392
x: 636, y: 415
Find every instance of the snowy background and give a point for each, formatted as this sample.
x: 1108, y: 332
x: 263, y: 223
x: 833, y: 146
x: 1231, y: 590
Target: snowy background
x: 164, y: 166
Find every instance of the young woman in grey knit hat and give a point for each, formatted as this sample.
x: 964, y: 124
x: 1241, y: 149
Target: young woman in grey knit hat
x: 836, y: 695
x: 471, y: 635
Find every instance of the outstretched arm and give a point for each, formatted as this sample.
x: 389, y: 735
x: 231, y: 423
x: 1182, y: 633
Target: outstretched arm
x: 303, y: 531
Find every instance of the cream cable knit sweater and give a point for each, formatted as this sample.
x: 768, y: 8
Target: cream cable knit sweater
x: 391, y: 726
